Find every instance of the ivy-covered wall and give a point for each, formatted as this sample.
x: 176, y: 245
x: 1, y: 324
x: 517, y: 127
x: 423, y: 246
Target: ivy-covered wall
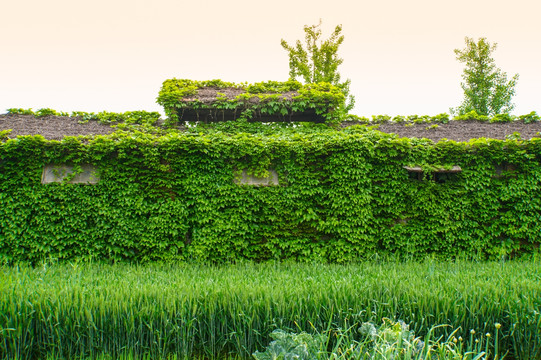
x: 342, y: 195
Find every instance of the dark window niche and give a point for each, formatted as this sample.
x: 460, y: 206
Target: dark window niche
x: 59, y: 173
x: 440, y: 175
x: 502, y: 169
x: 415, y: 173
x: 251, y: 180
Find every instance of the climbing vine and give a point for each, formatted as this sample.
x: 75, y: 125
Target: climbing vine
x: 104, y: 117
x: 342, y: 195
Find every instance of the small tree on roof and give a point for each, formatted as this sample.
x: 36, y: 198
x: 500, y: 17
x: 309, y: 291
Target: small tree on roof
x: 318, y: 61
x: 486, y: 89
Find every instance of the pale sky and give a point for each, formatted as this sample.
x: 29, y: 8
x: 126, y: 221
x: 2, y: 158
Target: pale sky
x: 114, y: 54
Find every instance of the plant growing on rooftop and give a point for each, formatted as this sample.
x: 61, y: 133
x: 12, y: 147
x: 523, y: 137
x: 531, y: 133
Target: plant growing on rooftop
x: 486, y: 88
x: 318, y: 61
x: 265, y: 98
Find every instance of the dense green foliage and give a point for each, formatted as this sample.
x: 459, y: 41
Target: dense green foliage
x: 318, y: 61
x: 445, y: 118
x: 105, y: 117
x: 191, y: 310
x: 486, y: 88
x: 323, y: 98
x: 241, y: 125
x: 343, y: 195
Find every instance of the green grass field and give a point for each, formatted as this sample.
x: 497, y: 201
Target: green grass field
x: 65, y: 311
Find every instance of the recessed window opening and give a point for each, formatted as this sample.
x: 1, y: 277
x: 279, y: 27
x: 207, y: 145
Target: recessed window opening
x: 58, y: 173
x: 501, y: 169
x: 415, y: 173
x: 249, y: 179
x: 439, y: 175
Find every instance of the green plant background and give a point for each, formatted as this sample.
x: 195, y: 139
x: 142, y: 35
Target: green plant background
x: 343, y: 195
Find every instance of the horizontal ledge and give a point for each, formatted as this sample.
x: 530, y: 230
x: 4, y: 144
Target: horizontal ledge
x: 454, y: 169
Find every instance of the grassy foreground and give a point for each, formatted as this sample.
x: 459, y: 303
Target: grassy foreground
x: 65, y: 311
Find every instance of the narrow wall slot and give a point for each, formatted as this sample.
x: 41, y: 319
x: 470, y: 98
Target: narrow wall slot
x: 250, y: 179
x: 57, y: 173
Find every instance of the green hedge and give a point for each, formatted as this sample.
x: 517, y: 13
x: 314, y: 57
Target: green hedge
x: 444, y: 118
x: 104, y: 117
x: 343, y: 195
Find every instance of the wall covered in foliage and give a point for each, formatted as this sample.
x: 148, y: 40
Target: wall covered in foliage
x: 342, y: 195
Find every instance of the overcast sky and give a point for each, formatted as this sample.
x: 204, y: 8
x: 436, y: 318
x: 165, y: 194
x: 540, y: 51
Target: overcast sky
x: 114, y: 54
